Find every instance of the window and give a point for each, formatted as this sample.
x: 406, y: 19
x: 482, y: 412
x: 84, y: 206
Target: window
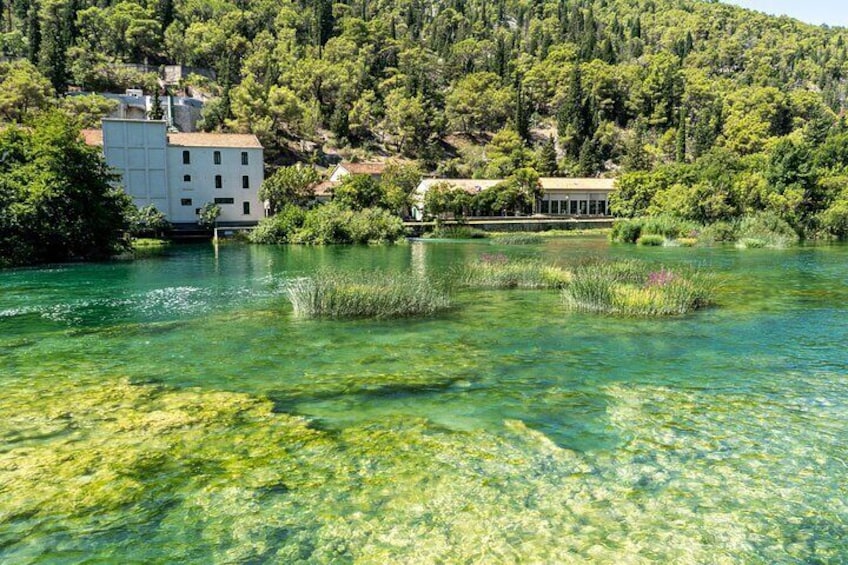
x: 554, y: 206
x: 602, y: 207
x: 244, y: 157
x: 545, y: 207
x: 216, y: 156
x: 245, y: 181
x: 225, y: 201
x: 219, y: 181
x: 574, y: 207
x: 186, y: 178
x: 186, y: 158
x: 185, y: 202
x: 245, y: 208
x: 583, y: 207
x: 593, y: 207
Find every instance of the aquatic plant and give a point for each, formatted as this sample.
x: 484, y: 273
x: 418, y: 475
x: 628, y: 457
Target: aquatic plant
x: 456, y: 232
x: 632, y: 289
x: 765, y: 229
x: 650, y: 240
x: 365, y: 294
x: 146, y: 243
x: 630, y: 230
x: 211, y: 476
x: 517, y: 238
x: 496, y: 270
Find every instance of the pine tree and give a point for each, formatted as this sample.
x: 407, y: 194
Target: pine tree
x: 546, y: 160
x: 33, y: 31
x: 680, y: 141
x: 53, y: 22
x: 574, y: 120
x: 157, y: 112
x: 588, y: 161
x: 522, y: 118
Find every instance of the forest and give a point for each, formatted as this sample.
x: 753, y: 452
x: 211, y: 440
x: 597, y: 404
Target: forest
x: 702, y: 110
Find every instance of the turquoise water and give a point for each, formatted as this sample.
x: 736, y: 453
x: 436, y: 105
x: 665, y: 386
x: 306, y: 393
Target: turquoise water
x: 172, y: 409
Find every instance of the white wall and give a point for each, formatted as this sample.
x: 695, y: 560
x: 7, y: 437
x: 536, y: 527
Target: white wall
x: 136, y: 150
x: 201, y: 188
x: 153, y: 173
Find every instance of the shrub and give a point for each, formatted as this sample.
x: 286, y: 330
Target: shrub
x: 498, y: 271
x: 518, y: 239
x: 279, y: 228
x: 626, y: 231
x: 629, y: 231
x: 719, y: 232
x: 148, y: 221
x: 333, y: 294
x: 687, y: 242
x: 332, y: 223
x: 651, y: 240
x: 768, y: 229
x: 632, y: 289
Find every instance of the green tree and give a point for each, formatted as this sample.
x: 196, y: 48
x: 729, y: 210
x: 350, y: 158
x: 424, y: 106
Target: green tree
x: 23, y: 91
x: 148, y: 221
x: 88, y: 109
x: 357, y: 192
x: 57, y: 201
x: 289, y: 185
x: 207, y: 216
x: 546, y: 158
x: 475, y: 104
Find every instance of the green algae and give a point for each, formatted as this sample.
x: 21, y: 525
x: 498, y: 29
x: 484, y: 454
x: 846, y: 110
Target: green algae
x: 245, y: 483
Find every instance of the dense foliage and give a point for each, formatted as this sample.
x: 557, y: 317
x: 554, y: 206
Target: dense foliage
x: 56, y: 200
x: 329, y: 224
x: 710, y: 111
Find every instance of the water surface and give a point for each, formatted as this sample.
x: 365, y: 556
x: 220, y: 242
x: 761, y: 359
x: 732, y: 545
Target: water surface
x: 172, y: 409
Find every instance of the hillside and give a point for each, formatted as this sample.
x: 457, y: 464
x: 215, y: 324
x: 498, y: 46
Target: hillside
x: 468, y: 87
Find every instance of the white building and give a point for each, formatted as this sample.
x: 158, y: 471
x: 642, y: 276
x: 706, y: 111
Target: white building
x: 560, y: 196
x: 180, y: 172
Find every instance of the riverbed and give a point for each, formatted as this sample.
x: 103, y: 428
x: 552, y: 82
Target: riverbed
x: 173, y: 409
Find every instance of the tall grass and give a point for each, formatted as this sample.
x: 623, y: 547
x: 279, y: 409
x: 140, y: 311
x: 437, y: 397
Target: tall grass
x: 456, y: 232
x: 517, y: 238
x: 629, y: 288
x: 630, y: 230
x: 365, y: 294
x: 496, y: 270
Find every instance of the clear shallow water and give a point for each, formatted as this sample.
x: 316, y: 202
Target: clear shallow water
x: 172, y: 409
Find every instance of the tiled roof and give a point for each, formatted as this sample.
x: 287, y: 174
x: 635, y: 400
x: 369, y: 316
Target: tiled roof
x: 238, y: 140
x: 93, y: 136
x: 364, y: 168
x: 325, y: 188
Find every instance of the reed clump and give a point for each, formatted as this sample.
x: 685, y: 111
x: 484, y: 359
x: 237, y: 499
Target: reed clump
x: 456, y: 232
x: 497, y: 271
x: 365, y: 294
x: 628, y: 288
x: 517, y: 239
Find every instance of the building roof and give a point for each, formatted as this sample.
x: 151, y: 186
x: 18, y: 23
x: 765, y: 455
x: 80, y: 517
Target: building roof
x: 236, y: 140
x: 363, y: 168
x: 325, y: 188
x: 93, y: 137
x: 474, y: 186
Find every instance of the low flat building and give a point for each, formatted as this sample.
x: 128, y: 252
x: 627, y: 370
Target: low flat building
x: 180, y: 172
x: 560, y: 196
